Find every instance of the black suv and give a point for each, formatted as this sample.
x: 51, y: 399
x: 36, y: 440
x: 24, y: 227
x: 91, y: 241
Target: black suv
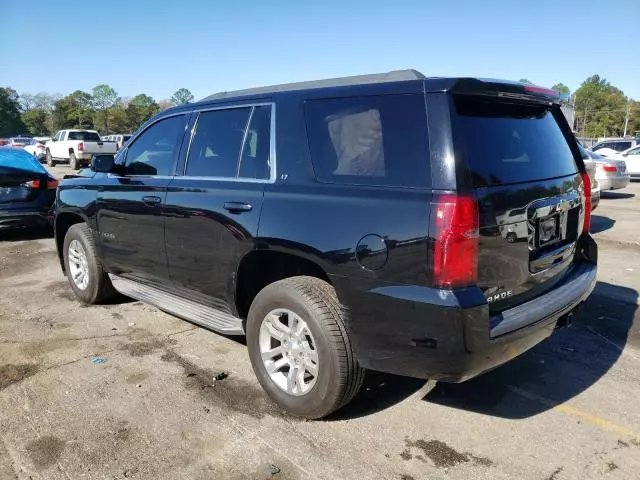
x: 429, y: 227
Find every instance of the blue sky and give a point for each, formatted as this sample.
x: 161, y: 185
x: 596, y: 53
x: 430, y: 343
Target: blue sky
x: 145, y: 46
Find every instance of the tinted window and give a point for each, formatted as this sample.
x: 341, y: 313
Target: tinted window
x: 509, y: 143
x: 215, y: 149
x: 620, y: 146
x: 379, y: 140
x: 255, y: 162
x: 154, y: 152
x: 84, y: 136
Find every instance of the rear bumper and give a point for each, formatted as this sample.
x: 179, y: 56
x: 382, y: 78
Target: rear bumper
x: 25, y: 218
x: 613, y: 183
x: 449, y: 335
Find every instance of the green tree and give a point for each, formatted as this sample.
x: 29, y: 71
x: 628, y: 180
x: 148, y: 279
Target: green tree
x: 10, y: 121
x: 600, y: 108
x: 36, y: 121
x: 102, y: 99
x: 525, y: 80
x: 118, y: 120
x: 73, y: 111
x: 182, y: 96
x: 561, y: 87
x: 140, y: 109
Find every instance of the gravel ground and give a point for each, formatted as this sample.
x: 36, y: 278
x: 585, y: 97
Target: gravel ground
x: 126, y: 391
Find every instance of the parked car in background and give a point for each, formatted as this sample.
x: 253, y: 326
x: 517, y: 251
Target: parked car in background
x: 631, y: 157
x: 20, y: 141
x: 330, y: 225
x: 611, y: 174
x: 37, y: 147
x: 120, y: 140
x: 611, y: 147
x: 76, y: 147
x: 590, y: 166
x: 27, y: 190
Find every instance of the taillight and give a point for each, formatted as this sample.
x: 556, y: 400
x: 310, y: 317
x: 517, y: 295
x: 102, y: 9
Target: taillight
x: 455, y: 231
x: 81, y: 147
x: 52, y: 184
x: 609, y: 168
x: 586, y: 195
x: 32, y: 184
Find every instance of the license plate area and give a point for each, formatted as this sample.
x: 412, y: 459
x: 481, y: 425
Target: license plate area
x: 548, y: 230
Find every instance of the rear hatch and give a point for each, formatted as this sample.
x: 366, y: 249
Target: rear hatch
x: 529, y: 191
x: 19, y: 186
x: 91, y: 143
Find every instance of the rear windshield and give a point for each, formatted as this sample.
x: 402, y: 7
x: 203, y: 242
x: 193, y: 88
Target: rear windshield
x: 84, y: 136
x: 509, y: 143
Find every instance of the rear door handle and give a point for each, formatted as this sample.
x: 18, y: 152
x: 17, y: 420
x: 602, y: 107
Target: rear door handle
x: 237, y: 207
x: 151, y: 200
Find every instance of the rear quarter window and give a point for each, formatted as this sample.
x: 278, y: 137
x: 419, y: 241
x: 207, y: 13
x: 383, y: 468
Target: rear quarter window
x: 376, y: 140
x: 509, y: 143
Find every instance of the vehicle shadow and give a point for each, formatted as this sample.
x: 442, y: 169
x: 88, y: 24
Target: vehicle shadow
x: 600, y: 223
x: 620, y: 195
x: 559, y: 368
x: 25, y: 234
x: 379, y: 391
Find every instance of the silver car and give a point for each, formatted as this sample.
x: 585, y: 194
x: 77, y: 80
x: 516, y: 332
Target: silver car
x: 611, y: 174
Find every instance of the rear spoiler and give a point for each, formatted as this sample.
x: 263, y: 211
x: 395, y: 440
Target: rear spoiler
x: 505, y: 89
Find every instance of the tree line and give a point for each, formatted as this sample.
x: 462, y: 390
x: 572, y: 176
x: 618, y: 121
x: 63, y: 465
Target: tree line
x: 103, y: 109
x: 602, y: 110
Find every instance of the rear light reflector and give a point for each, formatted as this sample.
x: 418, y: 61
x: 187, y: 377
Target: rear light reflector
x: 609, y: 168
x: 455, y: 231
x: 81, y: 147
x: 586, y: 195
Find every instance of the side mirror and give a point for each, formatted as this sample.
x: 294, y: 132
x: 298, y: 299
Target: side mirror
x: 102, y: 163
x: 53, y: 139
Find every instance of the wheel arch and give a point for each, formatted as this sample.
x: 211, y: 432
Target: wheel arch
x: 64, y: 221
x: 259, y: 268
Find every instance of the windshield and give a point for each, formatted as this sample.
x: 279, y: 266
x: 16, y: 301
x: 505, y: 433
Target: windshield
x: 509, y: 143
x: 84, y: 136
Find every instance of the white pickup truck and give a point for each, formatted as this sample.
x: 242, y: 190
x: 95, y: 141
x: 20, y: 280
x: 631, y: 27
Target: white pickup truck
x: 76, y: 147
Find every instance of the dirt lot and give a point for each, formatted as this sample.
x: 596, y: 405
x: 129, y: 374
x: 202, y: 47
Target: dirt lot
x: 126, y: 391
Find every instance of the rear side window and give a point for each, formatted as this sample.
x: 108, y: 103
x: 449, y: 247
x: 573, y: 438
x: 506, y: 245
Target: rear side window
x: 509, y: 143
x: 621, y: 146
x: 215, y: 149
x: 84, y: 136
x: 378, y: 140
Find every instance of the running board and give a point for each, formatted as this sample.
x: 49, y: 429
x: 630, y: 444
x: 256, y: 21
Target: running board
x: 194, y: 312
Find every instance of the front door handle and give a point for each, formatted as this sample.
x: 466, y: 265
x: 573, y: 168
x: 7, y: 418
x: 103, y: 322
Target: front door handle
x: 151, y: 200
x: 237, y: 207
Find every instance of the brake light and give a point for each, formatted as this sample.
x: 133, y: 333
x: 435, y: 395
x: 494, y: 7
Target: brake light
x: 52, y: 184
x: 455, y: 230
x: 541, y: 91
x: 81, y: 147
x: 32, y: 184
x: 586, y: 195
x: 609, y: 168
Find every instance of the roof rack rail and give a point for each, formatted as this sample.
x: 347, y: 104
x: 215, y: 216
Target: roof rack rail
x: 393, y: 76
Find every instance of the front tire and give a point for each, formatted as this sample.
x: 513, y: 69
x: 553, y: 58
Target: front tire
x: 50, y: 161
x: 299, y: 348
x: 73, y: 161
x: 88, y: 280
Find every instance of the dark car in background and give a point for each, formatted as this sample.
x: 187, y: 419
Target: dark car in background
x: 427, y: 227
x: 27, y: 190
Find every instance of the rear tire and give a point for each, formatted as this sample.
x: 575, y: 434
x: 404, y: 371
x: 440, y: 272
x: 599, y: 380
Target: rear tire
x: 338, y: 376
x: 97, y: 288
x: 50, y: 161
x: 511, y: 237
x: 73, y: 161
